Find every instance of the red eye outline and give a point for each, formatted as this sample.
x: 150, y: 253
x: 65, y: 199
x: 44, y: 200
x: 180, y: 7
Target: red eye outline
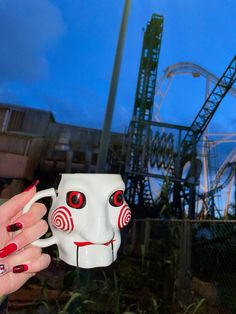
x: 117, y: 198
x: 81, y: 199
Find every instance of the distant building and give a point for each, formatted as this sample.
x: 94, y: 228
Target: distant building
x: 33, y: 145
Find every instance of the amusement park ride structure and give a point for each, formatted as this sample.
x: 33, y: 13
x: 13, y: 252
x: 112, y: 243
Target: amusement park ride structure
x: 162, y: 150
x: 138, y: 186
x: 227, y: 171
x: 211, y: 178
x: 177, y: 69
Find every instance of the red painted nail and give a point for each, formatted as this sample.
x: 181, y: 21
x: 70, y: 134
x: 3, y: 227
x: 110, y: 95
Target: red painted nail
x: 7, y: 250
x: 31, y: 186
x: 20, y: 268
x: 14, y: 227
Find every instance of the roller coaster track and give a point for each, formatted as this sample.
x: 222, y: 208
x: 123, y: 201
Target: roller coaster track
x: 183, y: 68
x: 196, y: 130
x: 209, y: 107
x: 217, y: 186
x: 194, y: 69
x: 223, y: 85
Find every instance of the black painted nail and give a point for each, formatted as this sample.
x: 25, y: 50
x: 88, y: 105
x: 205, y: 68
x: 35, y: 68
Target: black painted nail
x: 20, y: 268
x: 14, y: 227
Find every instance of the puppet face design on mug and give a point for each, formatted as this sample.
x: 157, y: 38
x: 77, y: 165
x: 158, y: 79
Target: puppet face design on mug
x: 89, y: 214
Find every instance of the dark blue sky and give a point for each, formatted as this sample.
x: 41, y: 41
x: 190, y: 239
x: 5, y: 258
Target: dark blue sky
x: 58, y: 55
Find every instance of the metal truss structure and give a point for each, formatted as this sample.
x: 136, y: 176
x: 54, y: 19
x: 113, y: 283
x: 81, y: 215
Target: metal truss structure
x: 148, y: 148
x: 163, y: 85
x: 223, y: 179
x: 210, y: 106
x: 153, y: 149
x: 188, y: 145
x: 138, y: 192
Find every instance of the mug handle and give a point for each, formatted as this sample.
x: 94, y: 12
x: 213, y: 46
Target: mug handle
x: 44, y: 193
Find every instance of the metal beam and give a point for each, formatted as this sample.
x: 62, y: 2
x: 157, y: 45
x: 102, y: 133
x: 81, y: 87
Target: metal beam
x: 210, y: 106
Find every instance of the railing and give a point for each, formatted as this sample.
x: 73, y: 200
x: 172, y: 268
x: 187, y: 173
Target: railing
x: 197, y: 256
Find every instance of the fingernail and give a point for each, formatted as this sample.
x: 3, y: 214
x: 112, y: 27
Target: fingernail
x: 14, y: 227
x: 31, y: 186
x: 10, y: 248
x: 3, y: 269
x: 20, y: 268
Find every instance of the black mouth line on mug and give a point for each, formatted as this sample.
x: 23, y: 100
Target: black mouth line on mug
x: 112, y: 249
x: 86, y: 243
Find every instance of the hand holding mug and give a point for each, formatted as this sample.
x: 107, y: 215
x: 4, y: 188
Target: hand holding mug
x: 19, y: 260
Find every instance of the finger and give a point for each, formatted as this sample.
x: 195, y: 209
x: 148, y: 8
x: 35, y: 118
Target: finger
x: 10, y: 208
x: 34, y: 265
x: 28, y: 219
x: 12, y: 282
x: 29, y: 253
x: 24, y: 238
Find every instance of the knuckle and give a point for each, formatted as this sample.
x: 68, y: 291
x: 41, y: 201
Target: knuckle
x: 36, y: 251
x: 32, y: 251
x: 23, y: 239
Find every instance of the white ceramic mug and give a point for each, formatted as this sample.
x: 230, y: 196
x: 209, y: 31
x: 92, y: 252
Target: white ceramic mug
x: 86, y: 215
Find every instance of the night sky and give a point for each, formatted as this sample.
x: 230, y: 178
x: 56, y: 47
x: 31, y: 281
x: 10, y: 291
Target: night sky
x: 58, y: 56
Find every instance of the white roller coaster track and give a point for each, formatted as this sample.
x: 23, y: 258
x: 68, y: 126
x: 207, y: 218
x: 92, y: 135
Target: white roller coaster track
x: 182, y: 68
x: 163, y: 85
x: 231, y: 158
x: 227, y: 182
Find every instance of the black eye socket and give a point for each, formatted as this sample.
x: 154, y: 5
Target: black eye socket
x: 117, y: 198
x: 76, y: 199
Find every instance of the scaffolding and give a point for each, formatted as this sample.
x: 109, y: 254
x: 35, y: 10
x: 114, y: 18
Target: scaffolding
x: 138, y: 192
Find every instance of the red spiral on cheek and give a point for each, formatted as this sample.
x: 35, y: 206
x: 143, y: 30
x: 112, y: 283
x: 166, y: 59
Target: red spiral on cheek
x: 124, y: 216
x: 61, y: 219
